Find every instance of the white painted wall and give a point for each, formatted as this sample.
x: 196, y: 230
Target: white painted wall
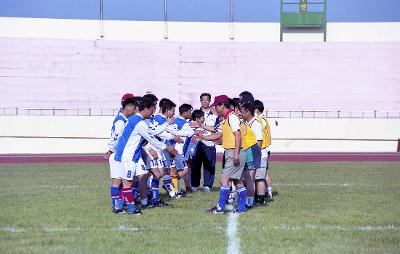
x: 189, y: 31
x: 59, y: 134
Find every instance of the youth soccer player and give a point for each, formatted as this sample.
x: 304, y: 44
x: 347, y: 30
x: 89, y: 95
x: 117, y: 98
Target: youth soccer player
x: 261, y: 177
x: 252, y: 136
x: 129, y: 108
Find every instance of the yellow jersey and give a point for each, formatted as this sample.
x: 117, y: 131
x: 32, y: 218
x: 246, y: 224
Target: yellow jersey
x: 266, y: 132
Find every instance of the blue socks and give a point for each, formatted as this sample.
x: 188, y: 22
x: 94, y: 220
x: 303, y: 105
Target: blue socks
x: 242, y: 193
x: 135, y: 191
x: 224, y: 192
x: 154, y: 190
x: 117, y: 203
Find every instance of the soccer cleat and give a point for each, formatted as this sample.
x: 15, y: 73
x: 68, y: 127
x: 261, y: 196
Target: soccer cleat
x: 135, y: 212
x: 147, y: 206
x: 206, y: 189
x: 195, y: 189
x: 260, y: 201
x: 268, y: 198
x: 169, y: 189
x: 160, y: 203
x: 181, y: 194
x: 118, y: 210
x: 216, y: 210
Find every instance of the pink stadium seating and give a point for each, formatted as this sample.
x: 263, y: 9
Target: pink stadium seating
x: 94, y: 74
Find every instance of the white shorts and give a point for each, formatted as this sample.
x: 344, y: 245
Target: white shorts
x: 117, y: 169
x: 133, y: 169
x: 150, y: 161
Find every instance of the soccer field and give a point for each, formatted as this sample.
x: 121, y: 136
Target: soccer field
x: 320, y: 208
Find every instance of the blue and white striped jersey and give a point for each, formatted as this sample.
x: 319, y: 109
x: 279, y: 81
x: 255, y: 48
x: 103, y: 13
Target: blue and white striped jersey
x: 130, y: 143
x: 116, y: 129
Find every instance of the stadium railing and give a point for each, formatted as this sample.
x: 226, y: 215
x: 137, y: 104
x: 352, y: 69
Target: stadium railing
x: 19, y: 111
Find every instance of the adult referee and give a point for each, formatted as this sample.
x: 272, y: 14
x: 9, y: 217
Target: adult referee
x: 206, y: 153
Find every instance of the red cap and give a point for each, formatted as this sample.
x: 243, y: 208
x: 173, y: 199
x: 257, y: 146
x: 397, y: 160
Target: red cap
x: 127, y: 96
x: 220, y: 99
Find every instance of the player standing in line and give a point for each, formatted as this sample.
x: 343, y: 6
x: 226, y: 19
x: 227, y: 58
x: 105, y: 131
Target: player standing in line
x: 179, y: 167
x: 129, y: 108
x: 129, y: 150
x: 265, y: 152
x: 252, y: 136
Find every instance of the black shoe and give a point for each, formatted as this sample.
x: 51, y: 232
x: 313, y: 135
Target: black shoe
x: 268, y: 198
x: 118, y: 210
x: 135, y: 212
x: 160, y: 203
x: 215, y: 210
x: 148, y: 206
x: 181, y: 194
x: 260, y: 201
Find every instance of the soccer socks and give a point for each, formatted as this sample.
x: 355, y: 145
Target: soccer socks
x: 242, y: 193
x: 250, y: 201
x: 129, y: 199
x: 143, y: 202
x: 269, y: 191
x: 168, y: 186
x: 175, y: 183
x: 224, y: 192
x: 135, y: 190
x: 154, y: 190
x: 115, y: 198
x: 167, y: 180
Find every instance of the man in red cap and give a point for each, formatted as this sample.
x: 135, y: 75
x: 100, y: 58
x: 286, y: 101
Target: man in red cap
x: 235, y: 157
x: 127, y: 96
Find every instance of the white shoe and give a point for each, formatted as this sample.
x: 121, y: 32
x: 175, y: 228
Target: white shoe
x: 195, y: 189
x: 206, y: 189
x: 170, y: 190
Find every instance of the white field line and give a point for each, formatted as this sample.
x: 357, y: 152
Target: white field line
x: 125, y: 228
x: 365, y: 228
x: 232, y: 234
x: 316, y: 184
x: 50, y: 230
x: 13, y: 229
x: 58, y: 186
x: 231, y: 230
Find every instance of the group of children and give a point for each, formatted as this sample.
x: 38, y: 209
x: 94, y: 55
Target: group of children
x: 146, y: 147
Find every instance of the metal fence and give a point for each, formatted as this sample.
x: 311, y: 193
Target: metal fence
x: 270, y: 113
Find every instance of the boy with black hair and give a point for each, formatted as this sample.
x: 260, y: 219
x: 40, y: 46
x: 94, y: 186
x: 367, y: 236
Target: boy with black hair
x: 129, y: 108
x: 155, y: 161
x: 253, y: 138
x: 263, y: 176
x: 179, y: 168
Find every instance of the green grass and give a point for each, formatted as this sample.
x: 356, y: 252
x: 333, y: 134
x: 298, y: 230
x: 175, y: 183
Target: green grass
x: 321, y: 208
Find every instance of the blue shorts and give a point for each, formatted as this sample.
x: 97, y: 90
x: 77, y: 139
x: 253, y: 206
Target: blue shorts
x: 253, y: 157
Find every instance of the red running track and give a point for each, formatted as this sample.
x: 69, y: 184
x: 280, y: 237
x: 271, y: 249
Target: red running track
x: 283, y: 157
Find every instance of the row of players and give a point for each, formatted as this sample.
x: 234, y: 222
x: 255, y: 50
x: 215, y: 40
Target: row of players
x: 145, y: 147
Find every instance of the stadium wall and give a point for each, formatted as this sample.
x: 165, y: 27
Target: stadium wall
x: 63, y: 134
x: 64, y: 73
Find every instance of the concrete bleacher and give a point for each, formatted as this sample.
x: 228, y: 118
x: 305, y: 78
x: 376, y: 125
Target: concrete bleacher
x: 61, y: 73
